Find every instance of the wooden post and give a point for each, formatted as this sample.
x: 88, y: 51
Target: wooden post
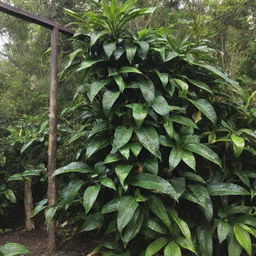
x: 28, y: 203
x: 52, y: 148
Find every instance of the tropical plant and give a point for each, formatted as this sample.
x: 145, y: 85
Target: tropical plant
x: 12, y: 249
x: 166, y: 144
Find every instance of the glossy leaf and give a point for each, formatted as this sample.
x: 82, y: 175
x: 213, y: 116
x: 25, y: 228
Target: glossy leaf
x: 122, y: 171
x: 234, y: 248
x: 159, y: 209
x: 223, y: 229
x: 206, y: 108
x: 90, y: 196
x: 10, y: 195
x: 92, y: 222
x: 126, y: 211
x: 156, y: 246
x: 147, y: 89
x: 174, y: 158
x: 107, y: 182
x: 204, y: 236
x: 133, y: 227
x: 95, y: 87
x: 109, y: 48
x: 130, y: 53
x: 121, y: 137
x: 161, y: 106
x: 95, y: 145
x: 205, y: 152
x: 243, y: 238
x: 108, y: 100
x: 139, y: 113
x: 183, y: 120
x: 155, y: 183
x: 74, y: 167
x: 12, y: 249
x: 120, y: 82
x: 172, y: 249
x: 226, y: 189
x: 189, y: 159
x: 148, y: 138
x: 238, y: 144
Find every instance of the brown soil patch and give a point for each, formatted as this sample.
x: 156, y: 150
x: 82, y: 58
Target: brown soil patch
x: 36, y: 242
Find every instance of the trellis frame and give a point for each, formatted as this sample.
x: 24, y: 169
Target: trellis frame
x: 52, y: 147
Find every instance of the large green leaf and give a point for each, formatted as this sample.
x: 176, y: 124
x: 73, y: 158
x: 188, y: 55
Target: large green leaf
x: 189, y: 159
x: 201, y: 197
x: 183, y: 87
x: 158, y: 208
x: 130, y: 53
x: 108, y: 100
x: 128, y: 69
x: 206, y: 108
x: 90, y: 196
x: 161, y: 106
x: 223, y: 229
x: 92, y: 222
x: 109, y: 48
x: 234, y: 248
x: 147, y: 89
x: 87, y: 64
x: 154, y: 225
x: 221, y: 74
x: 121, y: 137
x: 204, y: 236
x: 148, y: 138
x: 183, y: 120
x: 139, y: 113
x: 243, y: 238
x: 183, y: 226
x: 133, y: 228
x: 107, y: 182
x: 151, y: 164
x: 49, y: 214
x: 95, y: 145
x: 200, y: 85
x: 95, y: 87
x: 156, y: 246
x: 95, y: 36
x: 204, y: 151
x: 238, y: 144
x: 126, y: 210
x: 172, y: 249
x: 76, y: 167
x: 10, y: 195
x: 120, y: 82
x: 155, y: 183
x: 226, y: 189
x: 122, y: 171
x: 71, y: 192
x: 12, y: 249
x: 111, y: 206
x: 164, y: 77
x: 174, y: 158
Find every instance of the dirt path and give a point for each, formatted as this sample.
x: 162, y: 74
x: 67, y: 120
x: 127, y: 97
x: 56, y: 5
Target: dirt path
x: 36, y: 241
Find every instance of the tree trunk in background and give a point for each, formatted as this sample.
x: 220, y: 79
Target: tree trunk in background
x: 28, y: 203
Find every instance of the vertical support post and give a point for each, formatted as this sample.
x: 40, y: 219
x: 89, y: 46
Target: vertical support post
x: 52, y: 148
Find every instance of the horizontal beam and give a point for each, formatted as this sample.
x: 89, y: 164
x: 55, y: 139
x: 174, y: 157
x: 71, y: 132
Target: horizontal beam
x: 44, y: 22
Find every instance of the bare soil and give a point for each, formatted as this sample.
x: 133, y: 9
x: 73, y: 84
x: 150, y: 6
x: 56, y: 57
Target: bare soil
x: 36, y: 242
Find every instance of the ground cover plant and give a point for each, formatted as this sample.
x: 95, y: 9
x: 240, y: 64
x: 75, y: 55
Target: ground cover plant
x: 167, y: 164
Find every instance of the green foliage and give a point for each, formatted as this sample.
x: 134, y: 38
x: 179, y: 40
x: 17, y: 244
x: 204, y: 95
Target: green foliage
x: 166, y: 135
x: 12, y: 249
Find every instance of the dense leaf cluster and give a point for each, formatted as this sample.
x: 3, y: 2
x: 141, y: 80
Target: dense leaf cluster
x: 169, y: 153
